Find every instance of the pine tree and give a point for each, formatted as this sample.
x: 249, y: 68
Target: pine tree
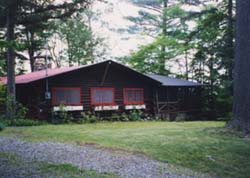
x: 15, y: 13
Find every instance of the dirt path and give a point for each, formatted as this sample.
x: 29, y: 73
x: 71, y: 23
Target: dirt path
x: 88, y: 157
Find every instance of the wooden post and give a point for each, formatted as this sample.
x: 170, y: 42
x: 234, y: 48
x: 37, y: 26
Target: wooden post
x: 105, y: 73
x: 157, y: 102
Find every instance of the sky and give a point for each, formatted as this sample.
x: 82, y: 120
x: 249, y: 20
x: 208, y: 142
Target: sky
x: 113, y: 16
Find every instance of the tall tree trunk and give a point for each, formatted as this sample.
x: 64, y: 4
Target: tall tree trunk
x: 31, y: 51
x: 241, y: 98
x: 164, y: 34
x: 89, y: 16
x: 230, y: 47
x: 212, y: 96
x: 164, y: 18
x: 230, y: 37
x: 186, y: 65
x: 11, y: 90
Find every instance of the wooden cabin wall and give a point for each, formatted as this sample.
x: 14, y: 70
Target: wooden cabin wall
x: 117, y: 77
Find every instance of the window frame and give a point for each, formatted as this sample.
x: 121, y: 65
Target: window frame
x: 66, y: 89
x: 102, y: 104
x: 125, y: 100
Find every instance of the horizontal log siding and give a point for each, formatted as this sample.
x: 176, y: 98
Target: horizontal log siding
x: 116, y: 78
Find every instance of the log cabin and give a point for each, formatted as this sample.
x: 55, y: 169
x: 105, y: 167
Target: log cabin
x: 105, y: 87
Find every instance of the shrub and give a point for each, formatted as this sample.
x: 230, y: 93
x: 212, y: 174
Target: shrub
x: 115, y: 117
x: 135, y: 115
x: 22, y: 122
x: 62, y: 116
x: 181, y: 117
x: 2, y: 126
x: 124, y: 117
x: 21, y: 111
x: 87, y: 117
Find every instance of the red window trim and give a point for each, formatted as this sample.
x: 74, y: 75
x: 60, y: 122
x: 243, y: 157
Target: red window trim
x: 102, y: 104
x: 65, y: 88
x: 125, y: 101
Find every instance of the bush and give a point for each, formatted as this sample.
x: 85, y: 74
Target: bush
x: 135, y: 115
x: 87, y: 117
x: 21, y: 111
x: 62, y: 116
x: 124, y: 117
x: 181, y: 117
x: 2, y: 126
x: 22, y: 122
x: 115, y: 117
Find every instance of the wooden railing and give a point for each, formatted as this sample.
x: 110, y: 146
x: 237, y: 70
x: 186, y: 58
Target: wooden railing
x: 168, y: 106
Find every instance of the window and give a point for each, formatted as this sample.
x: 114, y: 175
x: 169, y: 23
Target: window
x: 133, y: 96
x: 66, y: 96
x: 102, y: 96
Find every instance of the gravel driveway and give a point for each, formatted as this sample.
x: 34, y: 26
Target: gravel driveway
x: 89, y: 157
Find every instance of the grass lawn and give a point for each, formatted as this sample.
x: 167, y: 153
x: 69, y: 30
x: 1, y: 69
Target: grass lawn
x: 200, y: 146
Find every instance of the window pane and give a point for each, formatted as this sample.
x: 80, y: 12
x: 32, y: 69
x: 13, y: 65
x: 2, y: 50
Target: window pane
x: 138, y: 95
x: 133, y: 96
x: 100, y: 96
x: 59, y: 97
x: 73, y: 96
x: 66, y: 96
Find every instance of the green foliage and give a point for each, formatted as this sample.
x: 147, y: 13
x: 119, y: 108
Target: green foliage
x: 135, y: 115
x: 2, y: 125
x: 62, y: 116
x: 171, y: 40
x: 115, y: 117
x: 70, y: 171
x: 147, y: 2
x: 124, y: 117
x: 151, y: 59
x: 119, y: 117
x: 81, y: 42
x: 88, y: 117
x: 202, y: 51
x: 213, y: 58
x: 2, y: 96
x: 5, y: 103
x: 21, y: 111
x: 21, y: 122
x: 32, y: 26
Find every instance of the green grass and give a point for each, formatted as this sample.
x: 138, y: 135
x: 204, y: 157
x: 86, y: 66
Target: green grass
x: 69, y: 171
x: 13, y: 164
x: 200, y: 146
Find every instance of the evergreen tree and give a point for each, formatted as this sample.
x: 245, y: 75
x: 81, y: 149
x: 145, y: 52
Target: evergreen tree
x: 15, y: 13
x: 80, y: 40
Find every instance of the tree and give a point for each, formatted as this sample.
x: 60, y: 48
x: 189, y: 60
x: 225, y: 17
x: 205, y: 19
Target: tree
x: 213, y: 39
x: 35, y: 37
x: 17, y: 12
x: 170, y: 33
x: 80, y: 40
x: 203, y: 53
x: 11, y: 9
x: 241, y: 98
